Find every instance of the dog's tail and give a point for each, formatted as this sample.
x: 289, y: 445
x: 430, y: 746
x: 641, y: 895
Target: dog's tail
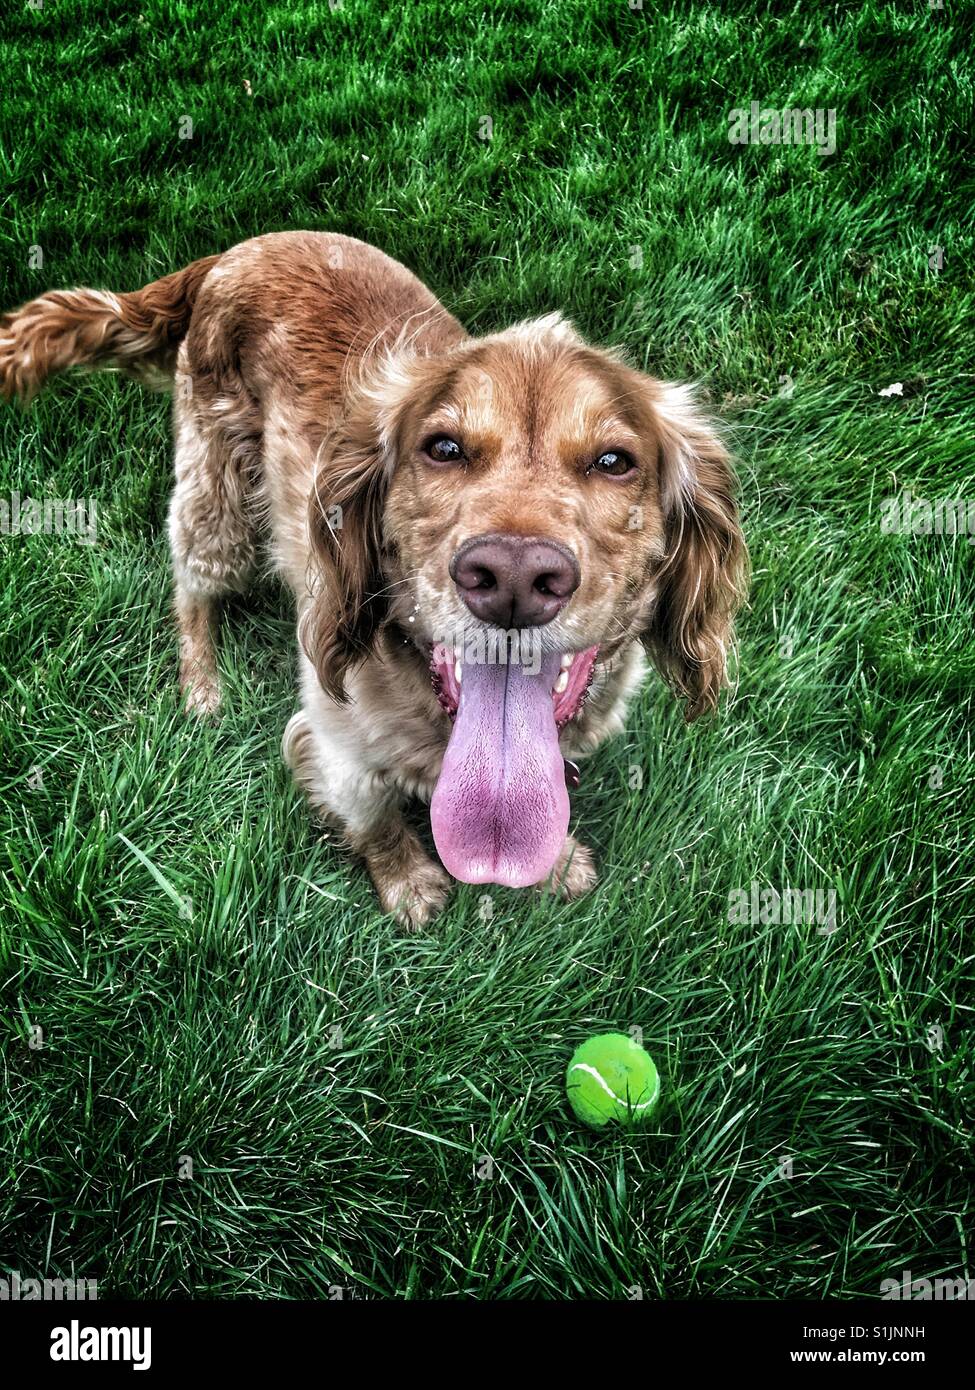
x: 137, y: 333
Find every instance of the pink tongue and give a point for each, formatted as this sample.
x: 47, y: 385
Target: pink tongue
x: 500, y: 810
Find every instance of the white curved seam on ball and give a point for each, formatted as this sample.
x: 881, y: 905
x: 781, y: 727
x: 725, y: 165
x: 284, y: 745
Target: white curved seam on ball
x: 634, y: 1105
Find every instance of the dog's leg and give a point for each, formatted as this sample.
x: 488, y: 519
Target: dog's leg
x: 409, y: 884
x: 345, y: 792
x: 575, y: 870
x: 196, y: 615
x: 211, y: 534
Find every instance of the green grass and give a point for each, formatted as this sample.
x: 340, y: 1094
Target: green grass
x: 169, y: 916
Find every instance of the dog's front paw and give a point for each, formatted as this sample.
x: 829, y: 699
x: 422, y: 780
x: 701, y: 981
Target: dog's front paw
x: 201, y: 696
x: 409, y: 883
x: 574, y: 872
x: 198, y: 679
x: 415, y: 896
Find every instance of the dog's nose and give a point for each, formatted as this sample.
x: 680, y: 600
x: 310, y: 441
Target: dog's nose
x: 515, y: 581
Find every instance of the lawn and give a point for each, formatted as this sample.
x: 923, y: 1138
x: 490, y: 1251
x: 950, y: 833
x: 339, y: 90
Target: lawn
x: 224, y: 1072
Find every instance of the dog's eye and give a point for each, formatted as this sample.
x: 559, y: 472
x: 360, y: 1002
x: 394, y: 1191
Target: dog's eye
x: 443, y: 449
x: 613, y: 463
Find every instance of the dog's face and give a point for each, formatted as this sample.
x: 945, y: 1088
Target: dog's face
x: 528, y: 487
x: 527, y: 494
x: 527, y: 482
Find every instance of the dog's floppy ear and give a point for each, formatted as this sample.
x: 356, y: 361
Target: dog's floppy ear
x: 345, y: 522
x: 702, y: 579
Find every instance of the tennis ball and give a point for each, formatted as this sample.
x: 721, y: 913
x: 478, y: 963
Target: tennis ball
x: 611, y: 1078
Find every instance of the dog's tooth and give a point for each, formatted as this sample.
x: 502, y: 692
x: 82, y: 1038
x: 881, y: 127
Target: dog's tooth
x: 458, y: 671
x: 567, y: 660
x: 562, y: 682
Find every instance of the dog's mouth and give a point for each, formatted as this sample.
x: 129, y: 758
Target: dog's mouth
x: 500, y: 811
x: 568, y: 693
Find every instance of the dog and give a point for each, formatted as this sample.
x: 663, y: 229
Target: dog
x: 486, y: 538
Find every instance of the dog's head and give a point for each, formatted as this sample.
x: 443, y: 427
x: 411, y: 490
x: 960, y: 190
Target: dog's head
x: 529, y: 485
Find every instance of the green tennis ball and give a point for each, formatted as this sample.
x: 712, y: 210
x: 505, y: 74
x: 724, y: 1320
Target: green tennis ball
x: 612, y: 1079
